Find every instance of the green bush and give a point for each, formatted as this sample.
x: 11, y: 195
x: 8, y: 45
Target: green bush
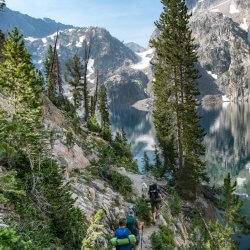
x: 120, y: 183
x: 175, y: 203
x: 10, y: 240
x: 143, y: 210
x: 163, y: 240
x: 93, y: 124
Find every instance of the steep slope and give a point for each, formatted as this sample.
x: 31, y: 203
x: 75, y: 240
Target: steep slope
x: 29, y: 26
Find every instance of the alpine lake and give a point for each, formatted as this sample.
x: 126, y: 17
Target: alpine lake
x: 227, y: 141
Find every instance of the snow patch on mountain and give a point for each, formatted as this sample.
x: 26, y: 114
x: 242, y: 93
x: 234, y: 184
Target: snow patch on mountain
x: 213, y: 75
x: 233, y: 9
x: 80, y: 42
x: 244, y: 25
x: 30, y: 39
x: 146, y: 58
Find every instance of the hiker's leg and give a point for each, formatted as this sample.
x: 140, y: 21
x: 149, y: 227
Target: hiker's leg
x: 153, y: 209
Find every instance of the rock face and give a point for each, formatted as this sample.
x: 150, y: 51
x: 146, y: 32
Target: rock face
x: 135, y: 47
x: 223, y: 53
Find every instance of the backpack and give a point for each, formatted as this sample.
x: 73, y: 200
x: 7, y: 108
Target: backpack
x: 154, y: 193
x: 132, y: 225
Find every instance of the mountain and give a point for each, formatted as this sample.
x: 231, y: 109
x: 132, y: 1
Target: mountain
x: 135, y: 47
x: 29, y: 26
x: 221, y: 31
x: 126, y: 84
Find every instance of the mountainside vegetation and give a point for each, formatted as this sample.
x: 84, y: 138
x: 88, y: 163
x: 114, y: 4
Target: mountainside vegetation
x: 66, y: 178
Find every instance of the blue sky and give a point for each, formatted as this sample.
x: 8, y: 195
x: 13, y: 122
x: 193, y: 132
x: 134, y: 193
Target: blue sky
x: 128, y: 20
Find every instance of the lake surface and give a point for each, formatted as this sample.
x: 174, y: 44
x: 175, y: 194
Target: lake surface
x: 227, y: 141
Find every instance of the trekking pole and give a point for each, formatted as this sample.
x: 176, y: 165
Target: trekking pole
x: 142, y: 235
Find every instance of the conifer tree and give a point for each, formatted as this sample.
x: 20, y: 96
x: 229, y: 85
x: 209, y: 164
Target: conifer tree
x: 94, y: 98
x: 103, y: 107
x: 232, y: 204
x: 175, y: 91
x: 21, y: 85
x: 2, y: 40
x: 73, y: 75
x: 53, y: 73
x: 146, y: 163
x: 86, y: 98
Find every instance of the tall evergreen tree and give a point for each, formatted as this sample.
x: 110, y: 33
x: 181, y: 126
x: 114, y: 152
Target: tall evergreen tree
x: 2, y: 40
x: 53, y: 73
x: 73, y: 74
x: 103, y: 107
x: 86, y: 58
x: 94, y: 98
x: 232, y: 205
x: 21, y: 85
x: 146, y: 163
x: 175, y: 89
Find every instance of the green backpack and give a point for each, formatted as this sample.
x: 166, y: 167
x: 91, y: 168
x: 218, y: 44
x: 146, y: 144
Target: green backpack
x: 121, y: 242
x: 132, y: 225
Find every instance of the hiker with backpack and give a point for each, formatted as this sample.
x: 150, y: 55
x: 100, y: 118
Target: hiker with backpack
x: 124, y: 239
x: 155, y: 200
x: 134, y: 226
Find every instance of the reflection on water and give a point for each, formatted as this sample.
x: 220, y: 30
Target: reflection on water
x: 227, y: 140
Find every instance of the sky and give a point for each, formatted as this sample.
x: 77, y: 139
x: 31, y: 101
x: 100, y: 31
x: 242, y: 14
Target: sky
x: 128, y: 20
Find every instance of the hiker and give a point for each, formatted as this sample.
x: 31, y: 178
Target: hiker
x: 134, y: 226
x: 155, y: 200
x: 122, y: 232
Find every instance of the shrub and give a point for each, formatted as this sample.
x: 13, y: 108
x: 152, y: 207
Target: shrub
x: 175, y: 203
x: 120, y: 183
x: 163, y: 240
x: 10, y: 240
x: 93, y: 124
x: 143, y: 210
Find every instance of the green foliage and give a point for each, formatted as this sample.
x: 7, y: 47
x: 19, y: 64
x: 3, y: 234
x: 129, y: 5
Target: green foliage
x: 106, y: 133
x: 120, y: 183
x: 123, y: 153
x: 232, y: 205
x: 73, y: 74
x: 143, y: 210
x: 163, y: 240
x: 93, y: 124
x: 210, y: 235
x: 103, y: 107
x: 175, y: 203
x: 147, y: 166
x: 21, y: 86
x: 94, y: 231
x: 9, y: 186
x: 10, y: 240
x: 175, y: 90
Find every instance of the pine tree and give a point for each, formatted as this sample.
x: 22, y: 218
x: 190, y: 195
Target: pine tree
x: 86, y: 58
x: 53, y: 73
x: 232, y: 204
x: 2, y: 40
x: 147, y: 166
x: 21, y: 86
x: 175, y: 90
x: 103, y: 108
x: 73, y: 75
x: 94, y: 98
